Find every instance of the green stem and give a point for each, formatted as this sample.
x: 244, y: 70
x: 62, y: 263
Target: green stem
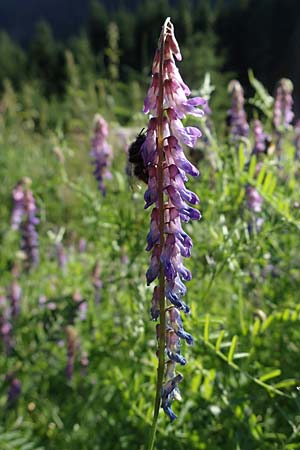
x: 161, y: 286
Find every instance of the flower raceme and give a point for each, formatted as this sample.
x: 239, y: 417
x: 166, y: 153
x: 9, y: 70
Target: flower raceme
x: 167, y: 102
x: 283, y: 113
x: 24, y: 217
x: 101, y: 152
x: 236, y: 116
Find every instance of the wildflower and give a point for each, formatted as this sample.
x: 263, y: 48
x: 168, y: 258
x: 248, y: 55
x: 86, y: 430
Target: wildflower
x: 82, y: 245
x: 260, y: 138
x: 97, y: 282
x: 170, y: 389
x: 82, y: 311
x: 29, y: 240
x: 254, y: 200
x: 101, y: 152
x: 236, y: 115
x: 18, y: 205
x: 283, y: 114
x: 15, y: 293
x: 61, y: 256
x: 167, y: 169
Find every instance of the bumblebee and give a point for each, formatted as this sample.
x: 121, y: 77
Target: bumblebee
x: 136, y: 159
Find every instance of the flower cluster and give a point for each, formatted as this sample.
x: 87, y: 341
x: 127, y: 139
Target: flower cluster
x: 29, y: 241
x: 101, y: 152
x: 260, y: 138
x: 236, y: 115
x: 24, y: 218
x: 15, y: 293
x: 18, y: 205
x: 283, y: 114
x: 254, y: 199
x: 167, y: 102
x: 97, y: 282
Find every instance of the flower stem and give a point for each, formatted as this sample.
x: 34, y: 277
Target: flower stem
x: 161, y: 286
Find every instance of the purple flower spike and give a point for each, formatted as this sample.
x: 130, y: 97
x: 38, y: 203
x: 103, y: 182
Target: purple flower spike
x: 62, y: 258
x: 97, y: 282
x: 29, y: 238
x: 168, y: 170
x: 236, y: 115
x: 283, y: 114
x: 254, y: 200
x: 15, y: 293
x: 101, y: 152
x: 260, y: 138
x: 18, y: 206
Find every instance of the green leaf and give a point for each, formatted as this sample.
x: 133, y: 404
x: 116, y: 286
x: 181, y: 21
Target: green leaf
x: 268, y: 376
x: 206, y: 328
x: 219, y: 340
x: 252, y: 167
x: 242, y: 158
x: 232, y: 349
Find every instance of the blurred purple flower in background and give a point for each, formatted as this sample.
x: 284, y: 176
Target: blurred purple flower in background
x: 29, y: 239
x: 101, y: 152
x: 283, y: 114
x: 82, y: 245
x: 14, y: 296
x: 18, y: 205
x: 236, y: 115
x: 260, y: 138
x: 61, y: 257
x: 254, y: 200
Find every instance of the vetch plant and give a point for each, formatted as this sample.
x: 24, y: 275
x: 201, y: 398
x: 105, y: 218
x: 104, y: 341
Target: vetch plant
x: 236, y: 115
x: 24, y: 218
x: 167, y: 104
x: 14, y: 294
x: 18, y: 205
x: 282, y: 113
x: 101, y: 152
x: 29, y: 241
x: 261, y: 139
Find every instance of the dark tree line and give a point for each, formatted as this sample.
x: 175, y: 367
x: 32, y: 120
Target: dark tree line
x: 216, y: 35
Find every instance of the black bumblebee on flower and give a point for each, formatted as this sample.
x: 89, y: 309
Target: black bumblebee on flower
x: 135, y: 157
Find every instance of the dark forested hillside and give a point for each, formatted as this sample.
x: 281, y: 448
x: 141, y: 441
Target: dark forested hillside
x: 223, y: 35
